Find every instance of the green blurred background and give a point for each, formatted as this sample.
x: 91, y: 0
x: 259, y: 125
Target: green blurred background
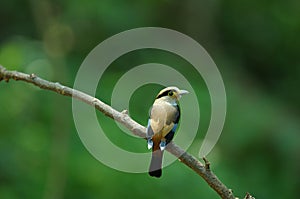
x: 255, y: 44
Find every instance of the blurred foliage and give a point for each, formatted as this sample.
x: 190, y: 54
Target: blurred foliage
x: 255, y: 45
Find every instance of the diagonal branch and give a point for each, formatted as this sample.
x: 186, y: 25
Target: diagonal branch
x: 122, y: 117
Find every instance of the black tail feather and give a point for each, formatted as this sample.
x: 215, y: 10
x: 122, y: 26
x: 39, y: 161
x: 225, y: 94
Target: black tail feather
x: 156, y: 163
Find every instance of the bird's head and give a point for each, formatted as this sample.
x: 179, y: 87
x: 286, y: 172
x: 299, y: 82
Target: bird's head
x: 171, y: 94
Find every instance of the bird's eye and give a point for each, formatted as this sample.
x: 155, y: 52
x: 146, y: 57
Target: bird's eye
x: 170, y: 93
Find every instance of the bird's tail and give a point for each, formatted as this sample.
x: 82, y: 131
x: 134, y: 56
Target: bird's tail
x: 156, y: 163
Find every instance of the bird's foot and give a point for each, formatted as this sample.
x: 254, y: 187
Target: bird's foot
x: 150, y: 143
x: 162, y: 145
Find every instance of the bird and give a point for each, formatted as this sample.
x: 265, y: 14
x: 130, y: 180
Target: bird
x: 163, y: 121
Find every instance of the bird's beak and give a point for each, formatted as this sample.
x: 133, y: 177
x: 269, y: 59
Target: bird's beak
x: 183, y: 92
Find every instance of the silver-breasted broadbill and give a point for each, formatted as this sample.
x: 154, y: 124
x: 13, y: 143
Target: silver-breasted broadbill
x: 162, y: 124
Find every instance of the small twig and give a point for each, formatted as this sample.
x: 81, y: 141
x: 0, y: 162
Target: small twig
x: 122, y: 117
x: 207, y: 163
x: 248, y: 196
x: 125, y: 112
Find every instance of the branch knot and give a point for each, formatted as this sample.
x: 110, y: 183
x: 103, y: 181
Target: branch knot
x: 32, y: 76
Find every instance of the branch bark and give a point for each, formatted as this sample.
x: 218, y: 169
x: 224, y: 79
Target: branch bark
x: 122, y: 117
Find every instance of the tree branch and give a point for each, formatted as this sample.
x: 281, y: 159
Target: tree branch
x: 122, y: 117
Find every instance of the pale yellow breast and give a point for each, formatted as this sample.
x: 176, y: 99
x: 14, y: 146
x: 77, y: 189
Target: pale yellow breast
x: 162, y: 117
